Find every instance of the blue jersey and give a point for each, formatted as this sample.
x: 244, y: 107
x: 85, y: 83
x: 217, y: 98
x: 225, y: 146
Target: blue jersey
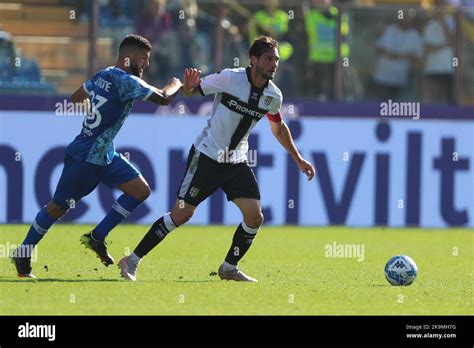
x: 112, y: 92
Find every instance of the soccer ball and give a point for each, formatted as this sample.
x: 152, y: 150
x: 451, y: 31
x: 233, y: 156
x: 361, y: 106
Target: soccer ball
x: 401, y: 270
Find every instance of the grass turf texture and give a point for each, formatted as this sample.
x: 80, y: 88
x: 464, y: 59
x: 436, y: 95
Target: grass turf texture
x: 295, y: 277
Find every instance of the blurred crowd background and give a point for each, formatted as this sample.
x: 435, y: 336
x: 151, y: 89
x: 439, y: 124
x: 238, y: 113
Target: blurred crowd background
x: 414, y: 50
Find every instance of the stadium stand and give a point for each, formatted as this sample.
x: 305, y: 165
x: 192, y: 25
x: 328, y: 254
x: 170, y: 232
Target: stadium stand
x: 55, y: 38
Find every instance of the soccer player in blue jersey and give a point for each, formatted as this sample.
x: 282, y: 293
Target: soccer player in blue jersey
x: 91, y: 157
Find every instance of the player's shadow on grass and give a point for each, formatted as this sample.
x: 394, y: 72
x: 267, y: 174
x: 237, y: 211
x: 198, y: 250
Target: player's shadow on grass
x: 52, y: 280
x: 58, y: 280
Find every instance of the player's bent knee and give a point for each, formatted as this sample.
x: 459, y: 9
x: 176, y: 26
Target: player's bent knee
x: 254, y: 221
x: 142, y: 193
x: 181, y: 219
x: 55, y: 210
x: 145, y: 193
x: 187, y: 215
x: 262, y: 219
x: 182, y: 215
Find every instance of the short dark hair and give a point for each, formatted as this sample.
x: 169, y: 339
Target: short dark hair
x: 261, y: 45
x: 135, y: 41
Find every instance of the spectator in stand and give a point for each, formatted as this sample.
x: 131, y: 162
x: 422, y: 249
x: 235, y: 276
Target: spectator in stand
x: 270, y: 21
x: 154, y: 20
x: 234, y: 41
x: 274, y: 22
x: 398, y: 48
x: 321, y: 23
x: 438, y: 37
x: 196, y: 30
x: 7, y: 54
x: 154, y: 23
x: 112, y: 12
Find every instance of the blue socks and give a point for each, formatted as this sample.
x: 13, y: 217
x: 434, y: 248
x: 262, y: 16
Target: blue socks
x: 121, y: 209
x: 43, y: 221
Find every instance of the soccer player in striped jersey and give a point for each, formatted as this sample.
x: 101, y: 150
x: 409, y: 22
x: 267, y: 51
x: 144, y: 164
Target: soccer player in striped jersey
x: 218, y: 157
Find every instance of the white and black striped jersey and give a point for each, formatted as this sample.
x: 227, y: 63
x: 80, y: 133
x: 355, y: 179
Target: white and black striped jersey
x: 238, y: 106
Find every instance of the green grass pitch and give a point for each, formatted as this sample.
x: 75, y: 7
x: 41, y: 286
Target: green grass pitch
x: 296, y: 276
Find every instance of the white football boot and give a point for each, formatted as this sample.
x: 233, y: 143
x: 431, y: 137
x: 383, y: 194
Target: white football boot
x: 234, y: 274
x: 128, y: 270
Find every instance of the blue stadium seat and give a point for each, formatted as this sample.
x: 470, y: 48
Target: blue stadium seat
x: 6, y: 70
x: 26, y: 79
x: 28, y: 71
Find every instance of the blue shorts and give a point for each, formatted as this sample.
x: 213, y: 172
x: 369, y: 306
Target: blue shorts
x: 79, y: 178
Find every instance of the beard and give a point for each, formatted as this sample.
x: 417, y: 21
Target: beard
x: 263, y: 74
x: 135, y: 70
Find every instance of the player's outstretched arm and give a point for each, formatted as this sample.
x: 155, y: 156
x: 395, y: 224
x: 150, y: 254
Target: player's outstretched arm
x: 166, y: 95
x: 192, y: 79
x: 281, y: 131
x: 79, y: 95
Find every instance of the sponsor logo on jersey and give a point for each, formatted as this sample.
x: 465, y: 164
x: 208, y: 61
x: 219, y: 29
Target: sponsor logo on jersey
x: 242, y: 108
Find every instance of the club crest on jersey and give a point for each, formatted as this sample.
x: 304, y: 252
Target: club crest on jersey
x: 268, y: 100
x: 193, y: 192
